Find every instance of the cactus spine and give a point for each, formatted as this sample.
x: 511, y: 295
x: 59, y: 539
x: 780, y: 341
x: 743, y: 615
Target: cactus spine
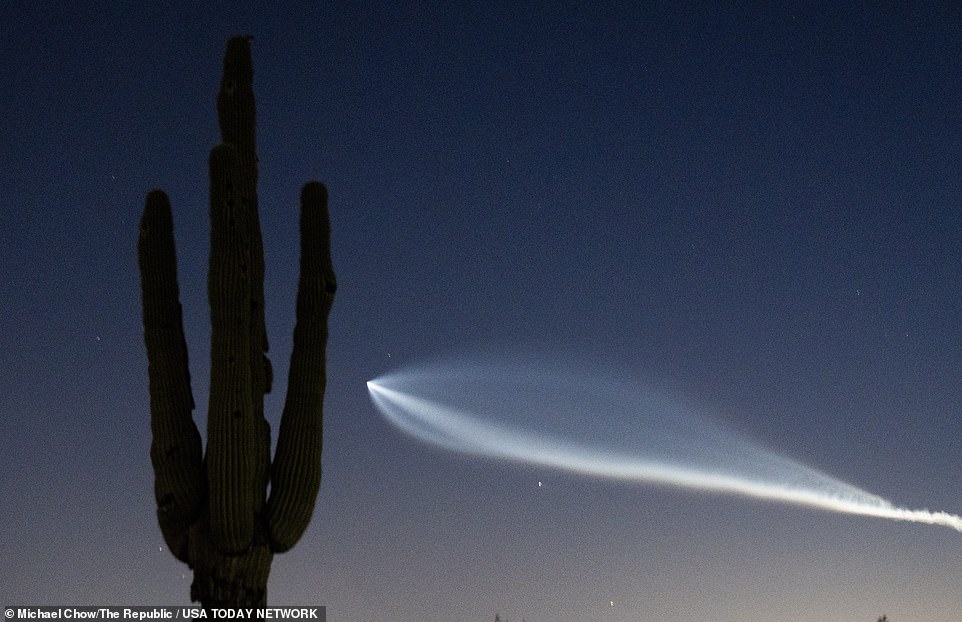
x: 213, y: 509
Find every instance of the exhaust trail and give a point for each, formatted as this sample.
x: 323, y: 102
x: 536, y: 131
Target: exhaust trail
x: 600, y: 424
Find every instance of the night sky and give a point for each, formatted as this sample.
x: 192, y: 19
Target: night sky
x: 759, y: 206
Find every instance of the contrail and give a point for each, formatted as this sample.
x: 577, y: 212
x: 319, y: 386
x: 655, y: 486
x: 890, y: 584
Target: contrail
x: 600, y: 425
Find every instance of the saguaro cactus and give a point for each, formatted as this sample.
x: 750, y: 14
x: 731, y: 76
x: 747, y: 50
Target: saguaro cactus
x: 213, y: 509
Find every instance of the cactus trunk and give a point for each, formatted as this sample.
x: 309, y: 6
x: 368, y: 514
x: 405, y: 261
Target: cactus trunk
x: 213, y: 509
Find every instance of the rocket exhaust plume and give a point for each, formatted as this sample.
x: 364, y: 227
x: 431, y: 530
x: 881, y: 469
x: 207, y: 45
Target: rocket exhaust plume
x: 595, y: 423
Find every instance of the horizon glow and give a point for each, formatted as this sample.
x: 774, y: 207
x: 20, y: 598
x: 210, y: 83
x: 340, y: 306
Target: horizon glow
x: 595, y: 423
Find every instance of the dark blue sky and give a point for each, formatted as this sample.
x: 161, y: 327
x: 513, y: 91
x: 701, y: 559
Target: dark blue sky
x: 759, y: 205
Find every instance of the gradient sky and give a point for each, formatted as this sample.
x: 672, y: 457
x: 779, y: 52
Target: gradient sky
x: 759, y: 205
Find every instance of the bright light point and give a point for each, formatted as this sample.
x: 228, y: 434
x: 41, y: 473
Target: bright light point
x: 578, y: 420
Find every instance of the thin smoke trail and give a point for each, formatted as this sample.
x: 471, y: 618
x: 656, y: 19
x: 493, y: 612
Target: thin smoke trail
x: 532, y: 413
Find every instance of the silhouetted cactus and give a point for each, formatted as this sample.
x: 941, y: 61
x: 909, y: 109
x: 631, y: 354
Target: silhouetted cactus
x: 213, y: 510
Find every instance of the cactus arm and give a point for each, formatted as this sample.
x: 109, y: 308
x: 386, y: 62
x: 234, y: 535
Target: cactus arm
x: 296, y: 471
x: 236, y: 108
x: 236, y: 115
x: 175, y: 450
x: 230, y: 417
